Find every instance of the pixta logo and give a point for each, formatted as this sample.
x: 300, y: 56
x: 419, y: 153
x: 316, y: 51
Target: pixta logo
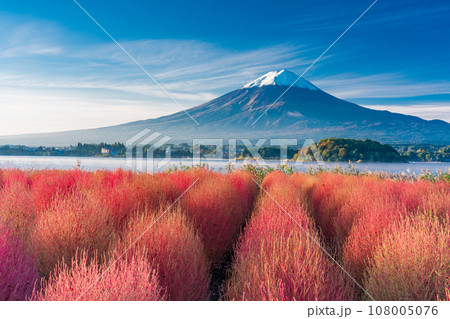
x: 140, y: 151
x: 148, y: 141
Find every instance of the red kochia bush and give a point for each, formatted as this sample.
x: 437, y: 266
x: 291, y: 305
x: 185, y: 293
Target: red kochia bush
x: 174, y: 248
x: 151, y: 191
x: 17, y: 208
x: 50, y: 183
x: 365, y: 235
x: 216, y: 210
x: 128, y: 279
x: 363, y: 193
x: 273, y: 178
x: 68, y: 225
x: 246, y: 188
x: 182, y: 180
x: 412, y: 261
x: 447, y: 290
x: 111, y: 191
x: 353, y: 211
x: 122, y: 194
x: 277, y: 260
x: 329, y: 195
x: 16, y: 176
x: 307, y: 183
x: 375, y: 206
x: 116, y: 200
x: 426, y: 196
x: 17, y: 272
x: 339, y: 200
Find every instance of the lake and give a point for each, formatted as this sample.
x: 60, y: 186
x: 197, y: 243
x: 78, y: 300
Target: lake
x: 96, y: 163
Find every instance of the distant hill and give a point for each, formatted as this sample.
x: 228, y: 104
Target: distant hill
x: 303, y: 112
x: 343, y: 150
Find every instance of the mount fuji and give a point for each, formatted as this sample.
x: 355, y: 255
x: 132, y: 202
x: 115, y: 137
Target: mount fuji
x: 283, y: 106
x: 281, y: 78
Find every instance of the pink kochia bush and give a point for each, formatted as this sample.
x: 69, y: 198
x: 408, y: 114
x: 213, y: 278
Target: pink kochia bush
x: 246, y: 189
x: 17, y: 272
x: 68, y: 225
x: 15, y: 176
x: 173, y: 246
x: 218, y: 206
x: 112, y: 192
x: 340, y: 200
x: 276, y: 259
x: 125, y: 279
x: 47, y: 184
x: 353, y: 211
x: 447, y: 290
x: 426, y: 196
x: 376, y: 206
x: 412, y: 261
x: 366, y: 233
x: 17, y: 208
x: 123, y: 193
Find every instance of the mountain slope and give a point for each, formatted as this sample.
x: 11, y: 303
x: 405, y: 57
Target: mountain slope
x: 304, y: 111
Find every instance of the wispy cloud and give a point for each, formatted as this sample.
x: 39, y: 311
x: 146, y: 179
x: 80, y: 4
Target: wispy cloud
x: 22, y: 37
x: 426, y: 111
x: 350, y: 85
x: 392, y: 92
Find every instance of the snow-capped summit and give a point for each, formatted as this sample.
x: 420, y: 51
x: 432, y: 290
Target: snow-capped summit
x: 281, y: 78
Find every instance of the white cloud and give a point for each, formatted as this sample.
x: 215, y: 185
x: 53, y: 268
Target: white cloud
x: 61, y: 111
x: 348, y: 86
x: 425, y: 111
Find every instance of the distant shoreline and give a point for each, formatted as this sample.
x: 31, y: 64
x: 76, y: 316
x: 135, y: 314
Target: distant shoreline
x: 329, y: 150
x: 237, y: 159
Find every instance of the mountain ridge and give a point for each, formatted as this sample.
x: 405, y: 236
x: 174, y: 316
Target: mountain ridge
x: 302, y: 112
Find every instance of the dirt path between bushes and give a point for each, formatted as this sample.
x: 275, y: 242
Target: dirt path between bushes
x: 219, y: 276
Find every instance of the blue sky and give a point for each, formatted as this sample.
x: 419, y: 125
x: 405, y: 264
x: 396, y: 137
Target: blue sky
x: 59, y: 71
